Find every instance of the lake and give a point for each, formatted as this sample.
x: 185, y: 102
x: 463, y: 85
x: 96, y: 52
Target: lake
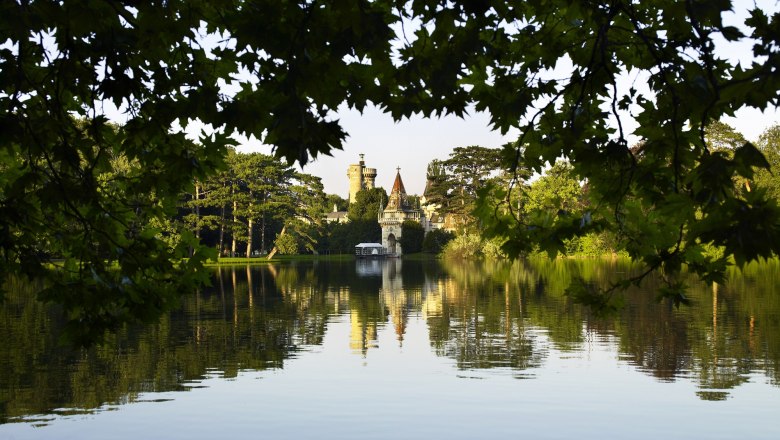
x: 373, y: 349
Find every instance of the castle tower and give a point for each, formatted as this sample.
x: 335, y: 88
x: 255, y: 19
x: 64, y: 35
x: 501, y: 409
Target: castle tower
x: 395, y: 213
x: 369, y: 177
x: 355, y: 174
x: 360, y: 178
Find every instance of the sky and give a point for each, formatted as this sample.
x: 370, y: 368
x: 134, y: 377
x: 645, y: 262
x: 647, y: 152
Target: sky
x: 412, y: 143
x: 409, y: 144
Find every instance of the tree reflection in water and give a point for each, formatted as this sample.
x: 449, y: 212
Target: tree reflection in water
x: 483, y: 315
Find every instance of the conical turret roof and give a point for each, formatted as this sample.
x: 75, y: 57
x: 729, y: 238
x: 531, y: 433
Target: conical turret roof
x: 398, y: 185
x: 397, y: 199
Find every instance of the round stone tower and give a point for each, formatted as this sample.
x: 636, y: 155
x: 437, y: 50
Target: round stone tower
x: 360, y: 178
x: 355, y: 174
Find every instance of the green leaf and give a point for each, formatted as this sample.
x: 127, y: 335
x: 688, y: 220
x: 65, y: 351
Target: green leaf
x: 748, y: 156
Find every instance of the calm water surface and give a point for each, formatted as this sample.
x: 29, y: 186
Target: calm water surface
x: 406, y: 349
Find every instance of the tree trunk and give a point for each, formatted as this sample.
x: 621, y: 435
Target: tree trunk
x: 197, y: 210
x: 262, y: 234
x: 235, y: 222
x: 222, y: 231
x: 250, y: 227
x: 273, y: 251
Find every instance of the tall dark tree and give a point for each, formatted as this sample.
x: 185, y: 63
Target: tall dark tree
x: 265, y: 198
x: 216, y: 203
x: 436, y: 184
x: 468, y: 170
x: 304, y: 229
x: 452, y: 185
x: 720, y: 136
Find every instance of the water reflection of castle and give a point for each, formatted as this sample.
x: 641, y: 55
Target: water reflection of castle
x: 395, y: 299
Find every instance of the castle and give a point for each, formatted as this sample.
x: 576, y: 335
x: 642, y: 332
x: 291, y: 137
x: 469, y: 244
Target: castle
x: 395, y: 212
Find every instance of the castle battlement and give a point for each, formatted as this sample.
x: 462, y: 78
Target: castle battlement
x: 360, y: 178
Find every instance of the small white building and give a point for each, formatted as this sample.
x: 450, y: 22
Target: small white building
x: 369, y: 250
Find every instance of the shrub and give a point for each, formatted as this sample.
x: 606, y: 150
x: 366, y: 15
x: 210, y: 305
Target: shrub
x: 464, y: 247
x: 286, y: 244
x: 412, y: 234
x: 435, y: 240
x: 492, y: 248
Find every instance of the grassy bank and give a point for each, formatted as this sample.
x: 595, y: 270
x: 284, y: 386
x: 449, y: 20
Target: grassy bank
x: 227, y: 261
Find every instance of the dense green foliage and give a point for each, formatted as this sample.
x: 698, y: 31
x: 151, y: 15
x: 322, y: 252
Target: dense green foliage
x: 553, y: 195
x: 435, y: 240
x: 769, y: 144
x: 252, y: 200
x: 343, y: 237
x: 285, y: 67
x: 464, y: 247
x: 453, y: 183
x: 412, y: 235
x: 557, y: 190
x: 287, y: 245
x: 367, y: 205
x: 472, y: 246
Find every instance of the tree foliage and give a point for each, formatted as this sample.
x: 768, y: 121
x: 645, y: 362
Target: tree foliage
x: 255, y: 197
x: 343, y: 237
x: 288, y: 65
x: 720, y: 136
x: 412, y: 235
x: 769, y: 144
x: 557, y: 190
x: 435, y: 240
x: 453, y: 184
x: 286, y: 244
x: 367, y: 205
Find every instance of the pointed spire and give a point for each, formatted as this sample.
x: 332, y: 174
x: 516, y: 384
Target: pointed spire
x: 397, y: 199
x: 398, y: 185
